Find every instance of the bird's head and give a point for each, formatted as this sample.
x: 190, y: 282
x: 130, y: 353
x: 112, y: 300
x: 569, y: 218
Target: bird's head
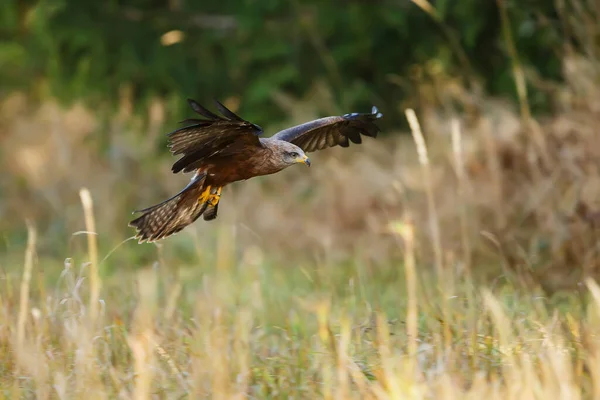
x: 292, y: 154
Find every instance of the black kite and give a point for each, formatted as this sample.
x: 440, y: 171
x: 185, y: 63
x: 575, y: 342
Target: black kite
x: 225, y: 149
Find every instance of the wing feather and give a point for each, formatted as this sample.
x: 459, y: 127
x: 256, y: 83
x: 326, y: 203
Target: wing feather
x: 212, y: 135
x: 332, y: 131
x: 226, y: 112
x: 203, y: 111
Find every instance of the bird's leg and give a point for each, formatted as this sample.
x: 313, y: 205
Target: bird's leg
x: 206, y: 195
x: 215, y: 197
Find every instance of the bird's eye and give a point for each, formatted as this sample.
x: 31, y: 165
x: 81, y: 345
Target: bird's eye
x: 294, y: 154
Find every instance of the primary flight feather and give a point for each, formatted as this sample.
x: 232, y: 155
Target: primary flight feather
x: 222, y: 149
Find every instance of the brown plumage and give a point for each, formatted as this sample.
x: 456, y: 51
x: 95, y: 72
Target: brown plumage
x: 222, y: 149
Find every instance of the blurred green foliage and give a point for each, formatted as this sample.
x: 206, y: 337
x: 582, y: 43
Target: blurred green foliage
x: 249, y: 48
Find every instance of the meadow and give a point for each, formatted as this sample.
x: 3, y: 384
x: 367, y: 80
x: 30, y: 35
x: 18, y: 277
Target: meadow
x: 457, y: 260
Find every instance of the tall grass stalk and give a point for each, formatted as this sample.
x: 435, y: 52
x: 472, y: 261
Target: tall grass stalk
x: 521, y: 85
x: 25, y: 282
x: 90, y: 226
x: 461, y: 175
x: 434, y: 226
x: 410, y: 269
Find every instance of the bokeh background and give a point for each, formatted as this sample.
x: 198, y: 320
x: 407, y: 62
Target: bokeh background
x: 309, y: 284
x: 89, y: 90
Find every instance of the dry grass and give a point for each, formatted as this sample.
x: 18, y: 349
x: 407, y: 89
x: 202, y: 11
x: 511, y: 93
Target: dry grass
x: 312, y: 283
x: 259, y: 330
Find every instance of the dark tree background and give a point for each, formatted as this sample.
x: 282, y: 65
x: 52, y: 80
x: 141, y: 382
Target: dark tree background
x: 92, y: 50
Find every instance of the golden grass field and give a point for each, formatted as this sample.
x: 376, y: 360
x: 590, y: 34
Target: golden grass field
x: 459, y: 266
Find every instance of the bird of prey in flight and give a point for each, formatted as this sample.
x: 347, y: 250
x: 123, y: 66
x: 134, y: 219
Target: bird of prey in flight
x: 222, y: 149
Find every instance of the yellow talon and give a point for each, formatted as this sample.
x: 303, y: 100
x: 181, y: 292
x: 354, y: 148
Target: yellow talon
x: 211, y: 198
x: 205, y: 196
x: 214, y: 199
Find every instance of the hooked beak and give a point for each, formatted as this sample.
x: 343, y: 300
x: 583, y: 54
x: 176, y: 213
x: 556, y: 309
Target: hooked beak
x: 305, y: 160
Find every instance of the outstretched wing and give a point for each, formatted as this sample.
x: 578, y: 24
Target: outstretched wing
x: 332, y: 131
x: 210, y: 136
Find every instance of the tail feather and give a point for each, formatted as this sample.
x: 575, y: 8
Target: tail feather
x: 172, y: 215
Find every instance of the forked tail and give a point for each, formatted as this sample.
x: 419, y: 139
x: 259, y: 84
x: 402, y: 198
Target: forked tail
x: 172, y: 215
